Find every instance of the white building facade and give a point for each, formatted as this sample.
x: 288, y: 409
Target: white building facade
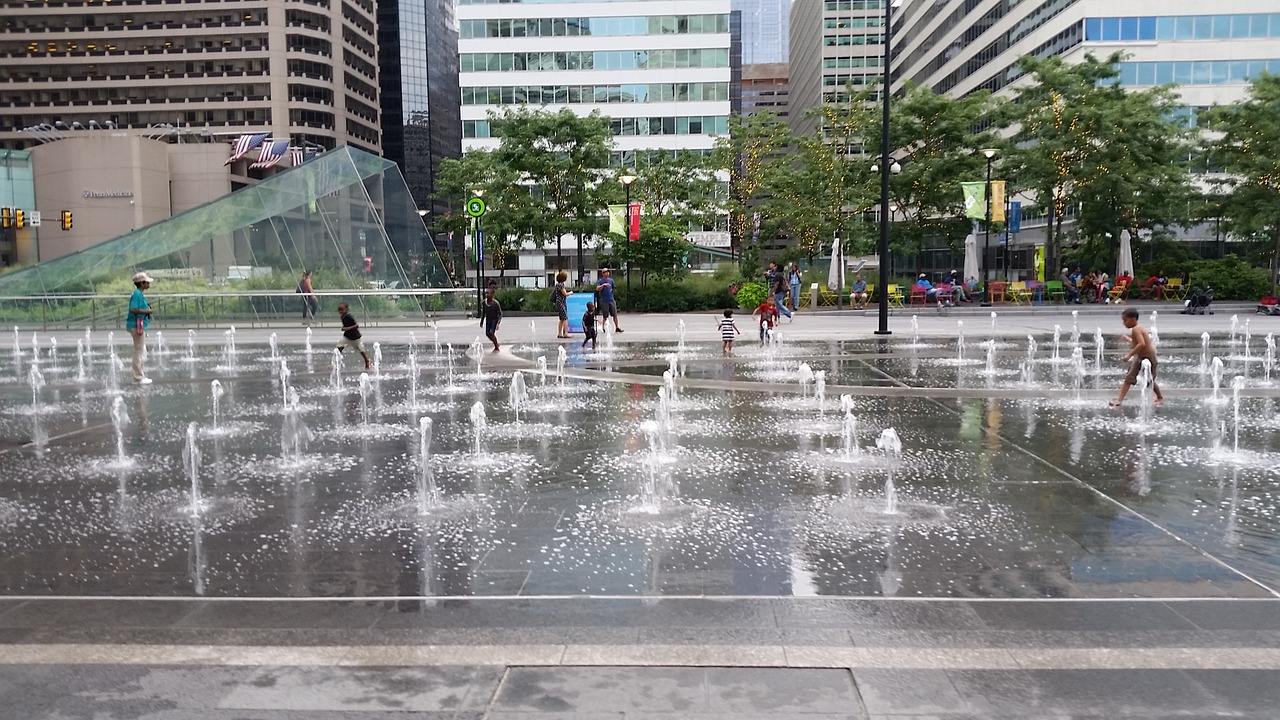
x: 664, y: 72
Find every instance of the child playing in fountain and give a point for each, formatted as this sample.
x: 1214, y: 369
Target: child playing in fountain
x: 1141, y: 349
x: 491, y: 315
x: 728, y: 330
x: 589, y: 326
x: 768, y: 312
x: 351, y: 334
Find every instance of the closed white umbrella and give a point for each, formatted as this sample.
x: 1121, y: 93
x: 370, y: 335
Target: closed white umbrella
x: 970, y: 257
x: 1125, y: 262
x: 835, y: 274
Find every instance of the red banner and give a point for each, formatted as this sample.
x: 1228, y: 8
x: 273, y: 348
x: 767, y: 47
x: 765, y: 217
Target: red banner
x: 633, y: 221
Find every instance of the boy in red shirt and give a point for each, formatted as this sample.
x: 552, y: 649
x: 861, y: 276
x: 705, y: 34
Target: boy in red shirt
x: 768, y: 313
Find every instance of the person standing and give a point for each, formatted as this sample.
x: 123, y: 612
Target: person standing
x: 768, y: 312
x: 793, y: 277
x: 560, y: 300
x: 137, y: 322
x: 777, y: 282
x: 491, y: 316
x: 589, y: 326
x: 728, y: 332
x: 310, y: 303
x: 608, y: 307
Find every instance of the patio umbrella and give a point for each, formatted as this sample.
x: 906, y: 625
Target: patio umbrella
x: 1125, y: 262
x: 970, y: 257
x: 835, y: 274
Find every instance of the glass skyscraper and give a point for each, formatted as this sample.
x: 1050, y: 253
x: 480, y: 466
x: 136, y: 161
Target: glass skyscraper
x: 765, y: 30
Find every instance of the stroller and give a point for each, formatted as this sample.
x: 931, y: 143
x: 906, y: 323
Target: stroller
x: 1198, y: 301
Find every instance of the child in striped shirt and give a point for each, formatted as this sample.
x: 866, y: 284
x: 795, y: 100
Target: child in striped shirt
x: 728, y: 330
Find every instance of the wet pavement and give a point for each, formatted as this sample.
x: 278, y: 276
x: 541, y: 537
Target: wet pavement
x: 751, y: 561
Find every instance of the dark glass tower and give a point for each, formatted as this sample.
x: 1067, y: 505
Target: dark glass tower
x: 421, y: 100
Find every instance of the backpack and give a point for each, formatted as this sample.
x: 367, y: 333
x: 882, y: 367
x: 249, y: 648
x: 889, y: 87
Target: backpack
x: 554, y: 292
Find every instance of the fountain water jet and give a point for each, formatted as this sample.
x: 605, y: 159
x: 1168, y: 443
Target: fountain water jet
x: 477, y: 349
x: 366, y: 387
x: 1078, y: 370
x: 294, y: 434
x: 307, y: 341
x: 804, y: 375
x: 119, y: 419
x: 191, y: 463
x: 275, y: 350
x: 215, y: 392
x: 335, y: 371
x: 1216, y: 371
x: 1237, y: 384
x: 191, y: 345
x: 542, y: 370
x: 820, y: 391
x: 1057, y: 344
x: 518, y: 394
x: 428, y: 491
x: 680, y: 332
x: 113, y: 364
x: 849, y: 435
x: 81, y: 376
x: 959, y: 341
x: 533, y: 336
x: 1269, y: 359
x: 1075, y: 328
x: 35, y: 379
x: 413, y: 377
x: 479, y: 421
x: 915, y: 330
x: 1235, y: 321
x: 377, y: 359
x: 284, y: 383
x: 562, y: 356
x: 1099, y: 346
x: 892, y: 447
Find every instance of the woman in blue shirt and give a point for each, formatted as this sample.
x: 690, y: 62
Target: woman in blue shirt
x: 137, y: 322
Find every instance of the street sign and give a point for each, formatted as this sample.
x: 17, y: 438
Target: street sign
x: 479, y: 246
x: 475, y: 207
x: 33, y: 219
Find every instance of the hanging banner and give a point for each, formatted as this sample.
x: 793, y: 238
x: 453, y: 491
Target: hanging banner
x: 1015, y: 217
x: 633, y: 225
x: 975, y: 198
x: 997, y: 201
x: 617, y: 219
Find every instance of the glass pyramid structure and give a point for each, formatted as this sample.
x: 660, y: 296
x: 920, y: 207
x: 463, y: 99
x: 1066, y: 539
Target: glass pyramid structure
x: 345, y: 214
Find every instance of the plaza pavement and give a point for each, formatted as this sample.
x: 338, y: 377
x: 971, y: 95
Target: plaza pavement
x: 579, y: 658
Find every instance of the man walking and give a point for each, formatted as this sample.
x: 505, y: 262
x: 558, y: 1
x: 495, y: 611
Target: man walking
x: 137, y: 322
x: 777, y: 283
x: 608, y: 307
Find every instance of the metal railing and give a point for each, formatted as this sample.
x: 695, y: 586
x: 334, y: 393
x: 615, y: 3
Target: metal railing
x: 246, y: 308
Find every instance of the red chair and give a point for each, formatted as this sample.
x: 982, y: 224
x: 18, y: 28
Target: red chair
x: 918, y: 293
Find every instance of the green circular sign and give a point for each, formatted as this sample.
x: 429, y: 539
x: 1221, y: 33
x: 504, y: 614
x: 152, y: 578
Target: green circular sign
x: 475, y: 207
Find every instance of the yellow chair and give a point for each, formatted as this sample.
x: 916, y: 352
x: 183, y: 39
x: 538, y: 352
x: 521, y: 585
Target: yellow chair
x: 1019, y: 293
x: 1118, y: 292
x: 1175, y: 290
x: 895, y: 296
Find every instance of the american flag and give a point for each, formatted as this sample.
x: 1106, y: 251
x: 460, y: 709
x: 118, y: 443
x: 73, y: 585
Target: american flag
x: 272, y: 153
x: 296, y: 156
x: 243, y: 145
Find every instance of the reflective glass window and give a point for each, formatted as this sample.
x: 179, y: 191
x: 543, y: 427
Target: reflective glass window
x: 1146, y: 73
x: 1222, y: 26
x: 1110, y: 29
x: 1237, y: 71
x: 1183, y: 28
x: 1093, y: 29
x: 1258, y: 25
x: 1129, y: 28
x: 1203, y: 27
x: 1164, y: 73
x: 1146, y: 28
x: 1239, y: 26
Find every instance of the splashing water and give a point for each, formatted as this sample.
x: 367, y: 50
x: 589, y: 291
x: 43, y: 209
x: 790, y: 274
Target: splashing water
x: 191, y: 345
x: 1248, y: 337
x: 307, y: 341
x: 81, y: 376
x: 1025, y: 373
x: 657, y: 485
x: 1057, y: 343
x: 17, y: 348
x: 680, y: 331
x: 915, y: 330
x: 1269, y: 359
x: 335, y: 371
x: 428, y: 491
x: 53, y: 353
x: 820, y: 391
x: 518, y: 394
x: 1031, y: 351
x: 1075, y: 328
x: 542, y: 370
x: 35, y: 348
x: 479, y: 421
x: 1144, y: 393
x: 849, y: 435
x: 435, y: 341
x: 119, y: 419
x: 1235, y: 321
x: 891, y: 445
x: 533, y: 336
x: 1099, y: 347
x: 993, y: 327
x: 229, y: 348
x: 477, y: 350
x: 562, y: 356
x: 991, y: 358
x: 669, y: 384
x: 1237, y: 384
x: 1204, y: 353
x: 88, y: 343
x: 275, y: 349
x: 377, y: 359
x: 804, y: 376
x: 1078, y: 370
x: 413, y: 377
x: 284, y: 382
x: 113, y: 364
x: 215, y: 393
x: 35, y: 379
x: 294, y: 433
x: 1216, y: 370
x: 960, y: 341
x: 366, y: 387
x: 191, y: 464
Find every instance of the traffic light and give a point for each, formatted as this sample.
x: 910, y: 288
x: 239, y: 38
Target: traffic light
x: 19, y: 218
x: 66, y: 219
x: 6, y: 218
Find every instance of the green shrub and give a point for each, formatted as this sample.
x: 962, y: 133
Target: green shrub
x: 511, y: 298
x: 1231, y: 278
x: 750, y: 295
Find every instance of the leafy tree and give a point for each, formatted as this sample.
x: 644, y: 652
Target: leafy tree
x: 563, y: 156
x: 660, y: 250
x: 512, y: 210
x: 1247, y: 153
x: 752, y: 144
x: 1083, y: 138
x: 680, y: 185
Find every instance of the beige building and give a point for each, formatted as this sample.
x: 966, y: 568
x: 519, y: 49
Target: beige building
x: 113, y: 184
x: 766, y: 88
x: 300, y: 70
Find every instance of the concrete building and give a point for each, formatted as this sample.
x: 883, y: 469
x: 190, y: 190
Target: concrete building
x: 765, y: 30
x: 665, y: 72
x: 300, y: 70
x: 835, y: 45
x: 421, y: 101
x: 766, y: 88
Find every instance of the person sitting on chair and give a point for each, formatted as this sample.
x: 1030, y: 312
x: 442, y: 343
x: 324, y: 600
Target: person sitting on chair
x: 858, y: 294
x: 1069, y: 286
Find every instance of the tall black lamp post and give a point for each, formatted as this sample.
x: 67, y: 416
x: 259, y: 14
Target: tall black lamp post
x: 478, y: 239
x: 990, y: 154
x: 887, y: 165
x: 626, y: 178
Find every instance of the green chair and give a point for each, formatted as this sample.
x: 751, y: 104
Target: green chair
x: 1056, y: 292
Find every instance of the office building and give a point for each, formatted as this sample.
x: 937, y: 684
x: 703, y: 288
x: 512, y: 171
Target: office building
x: 765, y: 88
x: 960, y: 46
x: 421, y: 120
x: 837, y: 46
x: 300, y: 70
x: 765, y: 30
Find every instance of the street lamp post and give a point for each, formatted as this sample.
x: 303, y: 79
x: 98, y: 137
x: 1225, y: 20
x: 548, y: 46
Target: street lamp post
x: 888, y: 166
x: 426, y: 239
x: 626, y: 178
x: 990, y: 154
x: 478, y: 239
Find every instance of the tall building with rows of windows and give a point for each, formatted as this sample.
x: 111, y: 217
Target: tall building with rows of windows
x: 765, y: 30
x: 662, y: 70
x: 305, y: 70
x: 836, y: 45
